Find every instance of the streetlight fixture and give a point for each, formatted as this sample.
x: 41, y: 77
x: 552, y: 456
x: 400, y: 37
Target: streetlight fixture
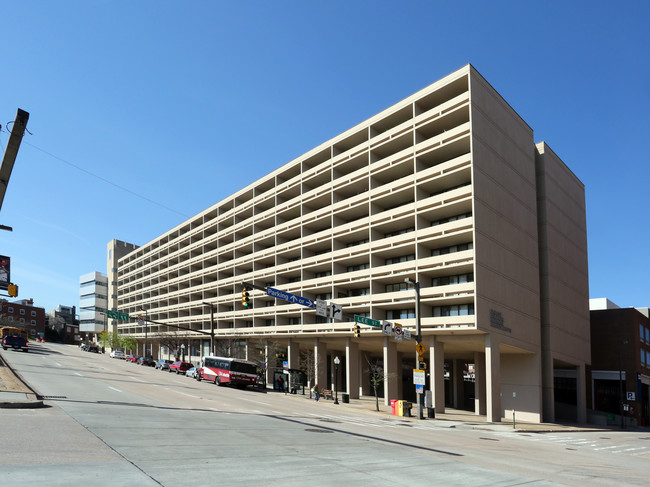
x: 146, y: 321
x: 337, y: 361
x: 211, y: 325
x: 182, y: 352
x: 418, y: 332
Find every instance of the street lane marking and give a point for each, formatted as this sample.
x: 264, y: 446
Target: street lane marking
x: 135, y: 378
x: 77, y: 373
x: 256, y: 402
x: 57, y: 363
x: 114, y: 389
x: 184, y: 394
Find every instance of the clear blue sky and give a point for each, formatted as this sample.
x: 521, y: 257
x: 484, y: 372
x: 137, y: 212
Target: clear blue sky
x: 184, y: 103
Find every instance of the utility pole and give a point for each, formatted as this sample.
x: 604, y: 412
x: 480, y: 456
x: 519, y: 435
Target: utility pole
x: 15, y: 138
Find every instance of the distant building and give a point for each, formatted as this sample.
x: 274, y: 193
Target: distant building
x: 620, y: 363
x: 115, y: 250
x: 93, y: 298
x: 23, y: 314
x: 63, y: 319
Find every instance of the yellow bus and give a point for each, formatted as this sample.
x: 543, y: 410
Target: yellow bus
x: 10, y: 330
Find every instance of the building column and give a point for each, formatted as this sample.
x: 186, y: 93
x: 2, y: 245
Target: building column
x: 437, y: 373
x: 352, y: 369
x: 493, y: 378
x: 320, y: 362
x: 479, y: 383
x: 457, y: 383
x: 391, y: 371
x: 293, y: 354
x: 581, y: 393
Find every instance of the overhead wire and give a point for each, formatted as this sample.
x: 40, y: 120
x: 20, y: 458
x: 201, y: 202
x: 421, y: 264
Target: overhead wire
x: 79, y: 168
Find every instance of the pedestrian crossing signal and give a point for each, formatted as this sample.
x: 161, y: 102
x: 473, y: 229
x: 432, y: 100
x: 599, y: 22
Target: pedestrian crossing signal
x: 245, y: 298
x: 357, y: 331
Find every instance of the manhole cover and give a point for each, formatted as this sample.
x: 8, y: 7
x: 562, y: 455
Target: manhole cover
x: 314, y: 430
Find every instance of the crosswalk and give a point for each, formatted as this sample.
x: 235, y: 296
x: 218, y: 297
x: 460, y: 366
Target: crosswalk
x: 374, y: 422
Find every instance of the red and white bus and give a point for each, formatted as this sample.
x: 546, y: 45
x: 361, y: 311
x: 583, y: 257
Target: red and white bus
x: 222, y: 371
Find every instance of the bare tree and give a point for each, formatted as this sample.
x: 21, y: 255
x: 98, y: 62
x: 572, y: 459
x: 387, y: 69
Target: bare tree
x: 308, y: 364
x: 377, y: 377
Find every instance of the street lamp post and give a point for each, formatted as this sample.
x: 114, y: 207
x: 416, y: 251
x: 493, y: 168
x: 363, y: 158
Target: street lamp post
x: 337, y: 361
x: 211, y: 326
x: 146, y: 321
x: 418, y: 333
x: 620, y: 382
x: 182, y: 352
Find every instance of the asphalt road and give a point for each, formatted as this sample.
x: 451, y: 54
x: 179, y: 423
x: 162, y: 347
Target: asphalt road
x: 111, y: 422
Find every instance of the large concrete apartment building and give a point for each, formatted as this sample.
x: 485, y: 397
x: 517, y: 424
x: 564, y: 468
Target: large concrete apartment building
x: 447, y: 188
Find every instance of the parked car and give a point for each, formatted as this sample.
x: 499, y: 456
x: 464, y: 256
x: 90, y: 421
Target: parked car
x: 131, y: 358
x: 117, y: 354
x: 93, y: 348
x: 180, y: 367
x: 16, y: 342
x: 146, y: 361
x: 163, y: 364
x: 192, y: 372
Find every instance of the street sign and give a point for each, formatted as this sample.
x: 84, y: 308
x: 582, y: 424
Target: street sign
x: 407, y: 334
x: 321, y: 308
x: 292, y: 298
x: 420, y: 348
x: 336, y: 311
x: 386, y: 328
x: 399, y: 332
x: 419, y: 377
x: 116, y: 315
x: 631, y: 396
x: 367, y: 321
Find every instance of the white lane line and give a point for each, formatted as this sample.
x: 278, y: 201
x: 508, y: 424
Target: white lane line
x: 256, y: 402
x: 58, y: 364
x: 184, y: 394
x: 114, y: 389
x: 77, y: 373
x: 135, y: 378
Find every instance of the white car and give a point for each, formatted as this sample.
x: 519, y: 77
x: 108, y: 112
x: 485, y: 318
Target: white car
x: 117, y: 354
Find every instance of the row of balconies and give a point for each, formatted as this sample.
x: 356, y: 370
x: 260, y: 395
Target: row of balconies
x: 304, y: 182
x: 380, y: 224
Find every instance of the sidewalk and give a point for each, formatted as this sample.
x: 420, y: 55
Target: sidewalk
x: 457, y: 418
x: 14, y: 393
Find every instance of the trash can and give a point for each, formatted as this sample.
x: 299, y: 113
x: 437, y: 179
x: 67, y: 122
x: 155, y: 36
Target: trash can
x: 407, y: 409
x: 431, y: 413
x: 345, y: 398
x: 393, y: 406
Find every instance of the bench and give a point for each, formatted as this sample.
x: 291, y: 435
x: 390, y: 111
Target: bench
x: 326, y: 393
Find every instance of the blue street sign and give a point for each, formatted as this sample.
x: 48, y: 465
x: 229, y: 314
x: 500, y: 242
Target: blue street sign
x: 292, y: 298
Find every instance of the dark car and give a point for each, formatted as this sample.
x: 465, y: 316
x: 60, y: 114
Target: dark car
x: 163, y: 364
x: 146, y: 361
x: 180, y: 367
x: 93, y: 348
x: 16, y: 342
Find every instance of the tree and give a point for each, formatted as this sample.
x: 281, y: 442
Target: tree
x: 377, y: 377
x: 308, y: 365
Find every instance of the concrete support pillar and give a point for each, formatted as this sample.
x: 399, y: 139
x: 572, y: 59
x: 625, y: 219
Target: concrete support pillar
x: 320, y: 359
x: 458, y: 381
x: 581, y: 392
x: 437, y: 371
x: 493, y: 378
x: 479, y: 383
x: 269, y: 372
x: 392, y: 372
x: 364, y: 370
x: 293, y: 354
x: 352, y: 368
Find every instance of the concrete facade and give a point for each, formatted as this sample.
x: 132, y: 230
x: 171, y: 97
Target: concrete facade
x: 447, y: 188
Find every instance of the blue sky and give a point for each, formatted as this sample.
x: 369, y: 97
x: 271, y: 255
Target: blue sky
x: 145, y: 113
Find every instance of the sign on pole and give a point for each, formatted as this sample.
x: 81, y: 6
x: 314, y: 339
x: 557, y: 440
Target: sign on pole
x: 336, y: 311
x: 292, y: 298
x: 321, y: 308
x: 367, y: 321
x: 386, y: 328
x: 419, y: 377
x: 399, y: 332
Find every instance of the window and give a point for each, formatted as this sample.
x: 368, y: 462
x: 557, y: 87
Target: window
x: 454, y: 310
x: 363, y: 291
x: 403, y: 258
x: 451, y: 219
x: 358, y: 242
x: 400, y: 286
x: 359, y: 267
x: 22, y: 320
x: 457, y: 279
x: 10, y: 309
x: 400, y: 314
x: 452, y: 248
x: 323, y: 274
x: 270, y: 322
x: 324, y: 296
x: 21, y: 311
x: 399, y: 232
x: 33, y: 313
x: 33, y: 322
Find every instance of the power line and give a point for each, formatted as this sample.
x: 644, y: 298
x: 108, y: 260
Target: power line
x: 79, y: 168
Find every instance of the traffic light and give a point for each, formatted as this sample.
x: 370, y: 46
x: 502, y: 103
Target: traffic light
x: 12, y: 290
x: 245, y: 298
x: 357, y: 331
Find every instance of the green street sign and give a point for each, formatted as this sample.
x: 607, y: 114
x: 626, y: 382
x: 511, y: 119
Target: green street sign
x: 116, y: 315
x: 367, y: 321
